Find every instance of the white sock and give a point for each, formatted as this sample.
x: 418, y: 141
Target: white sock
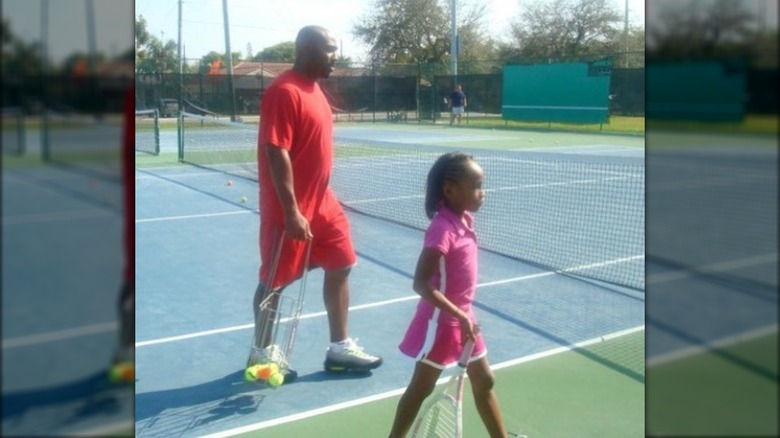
x: 338, y: 347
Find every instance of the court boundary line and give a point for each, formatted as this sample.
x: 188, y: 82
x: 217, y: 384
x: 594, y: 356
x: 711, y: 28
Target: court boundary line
x: 694, y: 350
x: 713, y: 268
x: 59, y: 335
x: 194, y: 216
x: 75, y: 332
x: 104, y: 430
x: 399, y: 391
x: 57, y: 216
x: 203, y: 333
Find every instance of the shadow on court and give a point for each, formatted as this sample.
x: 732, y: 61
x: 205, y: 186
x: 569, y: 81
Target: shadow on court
x: 89, y: 398
x: 233, y: 396
x: 212, y: 401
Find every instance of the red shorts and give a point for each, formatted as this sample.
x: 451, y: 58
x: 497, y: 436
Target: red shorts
x: 331, y: 248
x: 447, y: 347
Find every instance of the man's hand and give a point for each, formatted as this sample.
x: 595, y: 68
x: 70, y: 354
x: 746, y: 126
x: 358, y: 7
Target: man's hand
x: 297, y: 227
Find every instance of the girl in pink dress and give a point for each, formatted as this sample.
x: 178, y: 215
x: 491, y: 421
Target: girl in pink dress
x: 446, y: 279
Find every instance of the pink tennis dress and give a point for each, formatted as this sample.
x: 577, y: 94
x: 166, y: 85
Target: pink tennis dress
x: 456, y: 278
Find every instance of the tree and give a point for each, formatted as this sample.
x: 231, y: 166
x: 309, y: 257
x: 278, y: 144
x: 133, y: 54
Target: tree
x: 152, y: 55
x: 412, y: 31
x: 282, y: 52
x: 19, y: 57
x: 402, y: 31
x: 564, y: 28
x: 687, y: 30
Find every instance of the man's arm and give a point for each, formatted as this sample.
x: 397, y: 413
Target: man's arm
x: 295, y: 225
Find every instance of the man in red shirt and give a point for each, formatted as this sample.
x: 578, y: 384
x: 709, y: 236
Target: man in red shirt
x: 295, y: 157
x: 125, y: 353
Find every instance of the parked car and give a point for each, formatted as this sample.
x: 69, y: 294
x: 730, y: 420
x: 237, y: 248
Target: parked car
x: 169, y: 107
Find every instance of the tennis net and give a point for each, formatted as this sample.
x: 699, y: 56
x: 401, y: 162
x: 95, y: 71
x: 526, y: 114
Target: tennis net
x: 575, y: 215
x: 147, y: 131
x: 88, y: 142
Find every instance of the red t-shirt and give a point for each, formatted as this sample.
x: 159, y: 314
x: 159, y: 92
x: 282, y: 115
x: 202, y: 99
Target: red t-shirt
x: 128, y: 183
x: 295, y: 116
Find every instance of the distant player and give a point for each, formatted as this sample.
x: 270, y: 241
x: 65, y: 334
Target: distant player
x: 457, y: 102
x: 446, y: 279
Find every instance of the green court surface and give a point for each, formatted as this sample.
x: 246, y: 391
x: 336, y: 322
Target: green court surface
x: 594, y: 391
x: 728, y: 391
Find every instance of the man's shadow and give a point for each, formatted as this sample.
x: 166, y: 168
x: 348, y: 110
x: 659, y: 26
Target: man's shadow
x: 238, y: 397
x: 80, y: 400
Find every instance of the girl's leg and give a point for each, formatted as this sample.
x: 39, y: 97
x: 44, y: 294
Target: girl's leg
x: 422, y: 384
x: 482, y: 382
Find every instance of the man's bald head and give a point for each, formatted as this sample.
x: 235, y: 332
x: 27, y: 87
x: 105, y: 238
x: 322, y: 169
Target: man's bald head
x: 315, y: 52
x: 310, y: 35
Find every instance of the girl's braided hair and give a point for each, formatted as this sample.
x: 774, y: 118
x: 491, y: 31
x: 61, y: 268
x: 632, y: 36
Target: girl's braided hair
x: 450, y: 167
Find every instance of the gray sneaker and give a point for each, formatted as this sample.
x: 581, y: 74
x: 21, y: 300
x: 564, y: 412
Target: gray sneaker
x: 352, y: 358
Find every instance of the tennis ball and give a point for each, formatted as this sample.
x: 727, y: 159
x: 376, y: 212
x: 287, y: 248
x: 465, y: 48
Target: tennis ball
x: 244, y: 199
x: 250, y: 375
x: 276, y: 379
x: 229, y: 183
x: 268, y: 370
x: 123, y: 372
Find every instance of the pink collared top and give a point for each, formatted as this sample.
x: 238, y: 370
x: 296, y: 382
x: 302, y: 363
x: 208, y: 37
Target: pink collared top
x: 456, y: 276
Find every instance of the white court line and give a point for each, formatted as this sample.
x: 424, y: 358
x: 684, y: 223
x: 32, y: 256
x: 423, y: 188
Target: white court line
x: 399, y: 391
x: 194, y: 216
x: 382, y: 303
x: 56, y: 216
x: 680, y: 274
x: 25, y: 341
x: 694, y: 350
x: 105, y: 430
x: 171, y: 175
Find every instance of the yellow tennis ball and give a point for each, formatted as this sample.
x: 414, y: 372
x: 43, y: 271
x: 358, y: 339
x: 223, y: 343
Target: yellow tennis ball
x: 123, y: 372
x: 244, y: 199
x: 276, y: 379
x: 250, y: 375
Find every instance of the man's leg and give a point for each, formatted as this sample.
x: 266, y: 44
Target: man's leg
x: 264, y: 321
x: 336, y: 296
x: 126, y: 350
x: 344, y: 353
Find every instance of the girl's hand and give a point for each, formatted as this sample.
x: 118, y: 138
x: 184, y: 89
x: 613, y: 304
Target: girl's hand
x: 467, y: 329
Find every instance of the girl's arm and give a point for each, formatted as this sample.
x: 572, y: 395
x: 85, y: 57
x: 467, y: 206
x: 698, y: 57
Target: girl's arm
x: 426, y: 266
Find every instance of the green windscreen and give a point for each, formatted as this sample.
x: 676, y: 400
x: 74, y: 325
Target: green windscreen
x: 567, y: 92
x: 700, y: 91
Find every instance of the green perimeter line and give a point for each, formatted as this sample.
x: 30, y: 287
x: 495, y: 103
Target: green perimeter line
x: 533, y: 392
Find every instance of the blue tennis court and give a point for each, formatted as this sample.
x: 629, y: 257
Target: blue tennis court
x: 197, y: 262
x: 62, y: 263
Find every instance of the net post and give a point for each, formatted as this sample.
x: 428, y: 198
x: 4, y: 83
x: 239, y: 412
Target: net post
x: 21, y: 132
x: 156, y: 132
x: 45, y: 146
x: 180, y: 135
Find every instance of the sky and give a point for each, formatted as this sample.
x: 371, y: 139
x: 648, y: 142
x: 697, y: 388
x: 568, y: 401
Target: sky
x: 114, y: 29
x: 264, y: 23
